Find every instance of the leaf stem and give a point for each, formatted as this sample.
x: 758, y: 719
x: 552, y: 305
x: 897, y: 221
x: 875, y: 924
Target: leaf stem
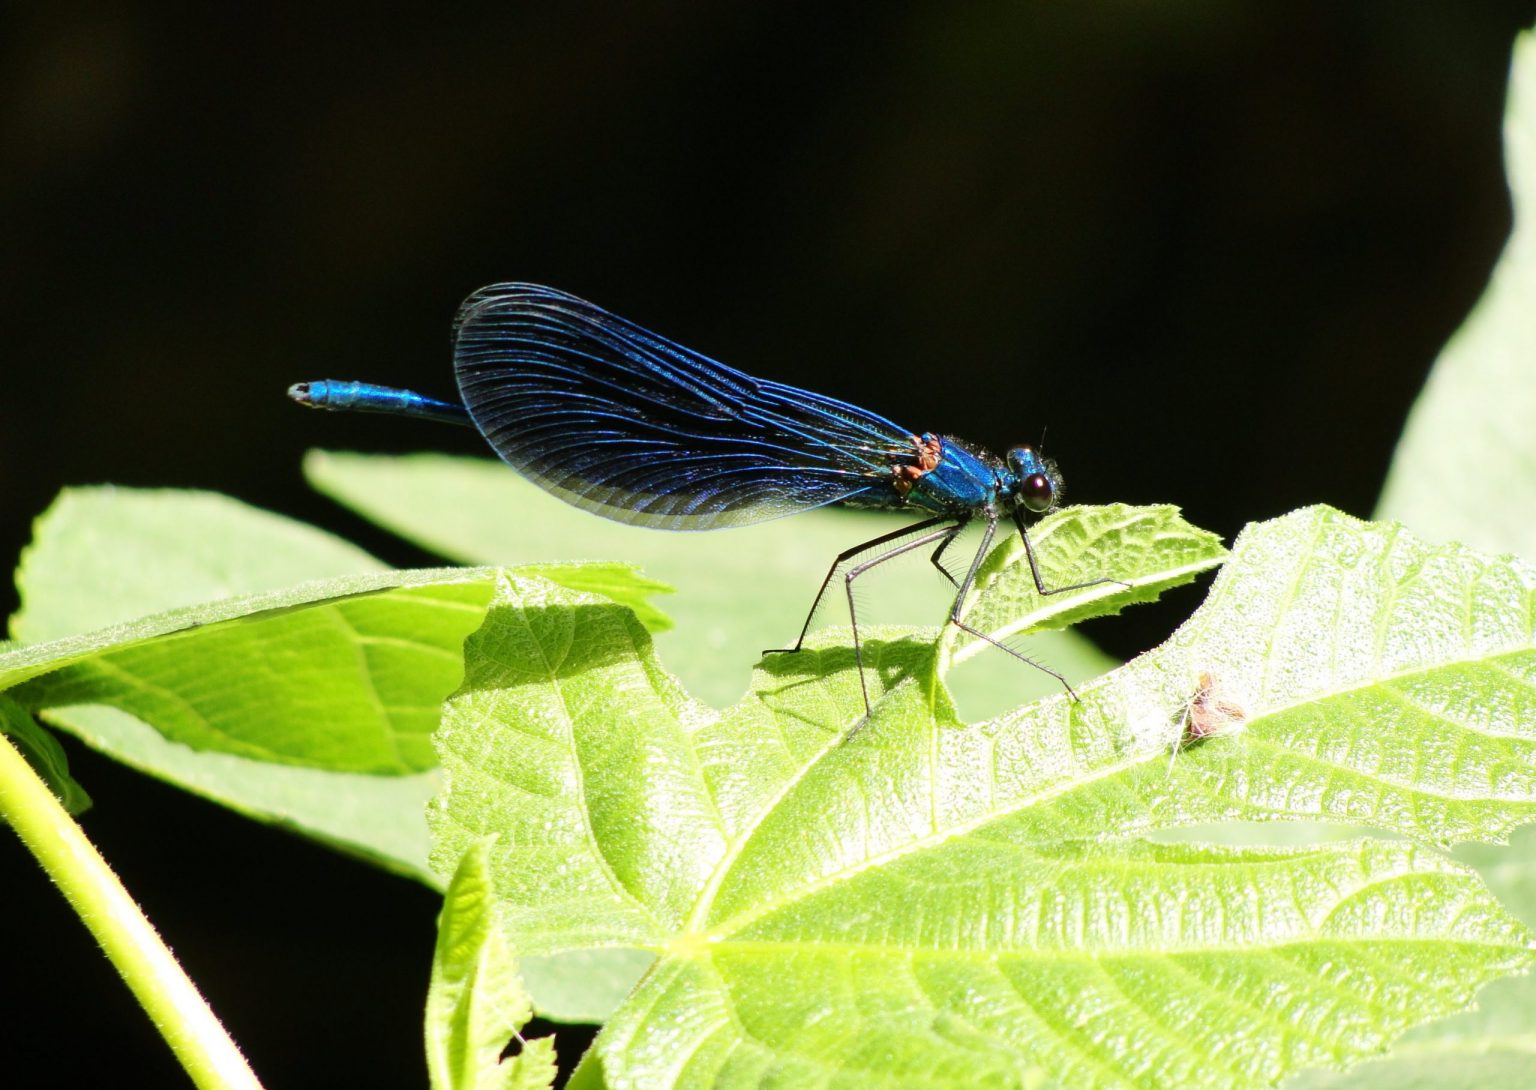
x: 170, y: 999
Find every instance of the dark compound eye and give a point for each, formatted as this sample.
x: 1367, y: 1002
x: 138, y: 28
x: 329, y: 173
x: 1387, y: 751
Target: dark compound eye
x: 1036, y: 493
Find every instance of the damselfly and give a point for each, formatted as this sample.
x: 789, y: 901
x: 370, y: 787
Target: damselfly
x: 631, y: 426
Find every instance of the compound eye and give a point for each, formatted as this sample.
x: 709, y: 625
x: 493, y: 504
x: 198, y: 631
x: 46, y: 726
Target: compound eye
x: 1036, y: 493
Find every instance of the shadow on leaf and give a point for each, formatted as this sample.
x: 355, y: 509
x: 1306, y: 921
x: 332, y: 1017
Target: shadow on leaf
x: 819, y: 684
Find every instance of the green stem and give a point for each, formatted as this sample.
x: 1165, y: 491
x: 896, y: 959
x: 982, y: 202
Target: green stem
x: 129, y: 940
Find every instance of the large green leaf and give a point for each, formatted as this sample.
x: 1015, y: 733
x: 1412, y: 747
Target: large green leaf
x: 1157, y: 549
x: 1466, y: 469
x: 1466, y: 466
x: 344, y: 674
x: 738, y: 591
x: 1489, y: 1048
x: 930, y: 903
x: 155, y: 667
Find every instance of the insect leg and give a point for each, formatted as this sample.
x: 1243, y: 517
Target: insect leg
x: 947, y: 534
x: 970, y: 580
x: 943, y: 535
x: 937, y: 559
x: 843, y: 558
x: 1034, y: 569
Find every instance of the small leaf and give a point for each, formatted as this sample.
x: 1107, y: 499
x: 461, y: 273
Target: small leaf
x: 43, y: 752
x: 476, y: 1002
x: 1151, y: 548
x: 589, y: 1073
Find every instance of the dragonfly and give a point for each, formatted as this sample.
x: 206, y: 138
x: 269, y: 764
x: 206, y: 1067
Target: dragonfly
x: 627, y: 424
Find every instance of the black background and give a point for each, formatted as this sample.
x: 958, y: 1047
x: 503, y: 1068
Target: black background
x: 1214, y: 246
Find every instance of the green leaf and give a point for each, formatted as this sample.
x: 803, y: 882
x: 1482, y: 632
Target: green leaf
x: 621, y: 583
x: 476, y: 1002
x: 738, y: 591
x: 1466, y: 465
x: 1489, y: 1048
x: 345, y: 675
x: 107, y: 556
x: 351, y: 680
x: 583, y: 985
x: 932, y: 903
x: 1150, y: 548
x: 589, y: 1073
x: 43, y: 752
x: 155, y: 667
x: 587, y: 985
x: 375, y: 818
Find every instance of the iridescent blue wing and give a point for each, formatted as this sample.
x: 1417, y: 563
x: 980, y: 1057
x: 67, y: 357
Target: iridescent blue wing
x: 631, y: 426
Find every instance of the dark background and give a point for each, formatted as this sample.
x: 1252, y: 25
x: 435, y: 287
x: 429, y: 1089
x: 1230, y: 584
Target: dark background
x: 1214, y: 246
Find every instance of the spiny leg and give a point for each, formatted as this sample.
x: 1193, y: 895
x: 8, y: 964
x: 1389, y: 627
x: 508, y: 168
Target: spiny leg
x: 937, y: 559
x: 958, y: 608
x: 857, y: 570
x: 943, y: 535
x: 1034, y: 570
x: 847, y: 555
